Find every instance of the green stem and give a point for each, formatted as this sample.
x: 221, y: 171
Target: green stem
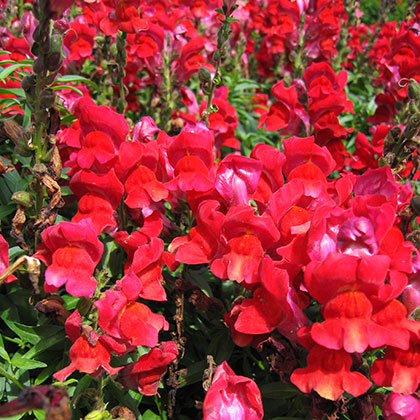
x: 11, y: 378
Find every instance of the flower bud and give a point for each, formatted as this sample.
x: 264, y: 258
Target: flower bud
x: 47, y: 98
x: 204, y: 75
x: 53, y: 61
x: 395, y: 132
x: 113, y: 50
x: 415, y: 205
x: 415, y: 120
x: 94, y: 415
x: 23, y: 198
x: 39, y: 65
x: 22, y: 148
x: 28, y: 83
x: 413, y: 89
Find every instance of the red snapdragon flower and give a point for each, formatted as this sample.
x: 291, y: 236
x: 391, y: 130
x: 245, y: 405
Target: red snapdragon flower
x: 399, y: 368
x: 89, y: 356
x: 328, y: 373
x: 146, y: 373
x: 71, y: 251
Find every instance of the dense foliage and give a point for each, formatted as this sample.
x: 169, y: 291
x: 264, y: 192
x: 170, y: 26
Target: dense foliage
x: 209, y: 209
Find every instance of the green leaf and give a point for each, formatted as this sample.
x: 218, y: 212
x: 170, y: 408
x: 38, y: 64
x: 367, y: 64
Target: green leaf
x: 6, y: 210
x: 9, y: 70
x: 278, y: 390
x: 221, y: 346
x: 194, y: 373
x: 3, y: 352
x: 150, y: 415
x: 13, y: 91
x: 62, y: 87
x: 25, y: 332
x: 17, y: 417
x: 73, y: 78
x: 22, y: 363
x: 199, y: 277
x: 46, y: 343
x: 39, y: 414
x: 128, y: 399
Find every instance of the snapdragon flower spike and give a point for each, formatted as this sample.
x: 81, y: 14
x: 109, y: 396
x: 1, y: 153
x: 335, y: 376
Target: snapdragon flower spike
x: 71, y: 252
x: 328, y: 373
x: 146, y: 374
x: 232, y: 397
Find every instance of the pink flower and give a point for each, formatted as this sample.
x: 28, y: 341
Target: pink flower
x: 401, y: 407
x: 232, y: 397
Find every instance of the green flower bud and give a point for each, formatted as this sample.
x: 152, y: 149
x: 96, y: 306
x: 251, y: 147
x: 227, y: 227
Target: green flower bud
x: 23, y: 198
x: 22, y: 148
x: 204, y: 75
x: 113, y: 50
x: 413, y: 107
x: 415, y: 120
x: 94, y: 415
x: 413, y: 89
